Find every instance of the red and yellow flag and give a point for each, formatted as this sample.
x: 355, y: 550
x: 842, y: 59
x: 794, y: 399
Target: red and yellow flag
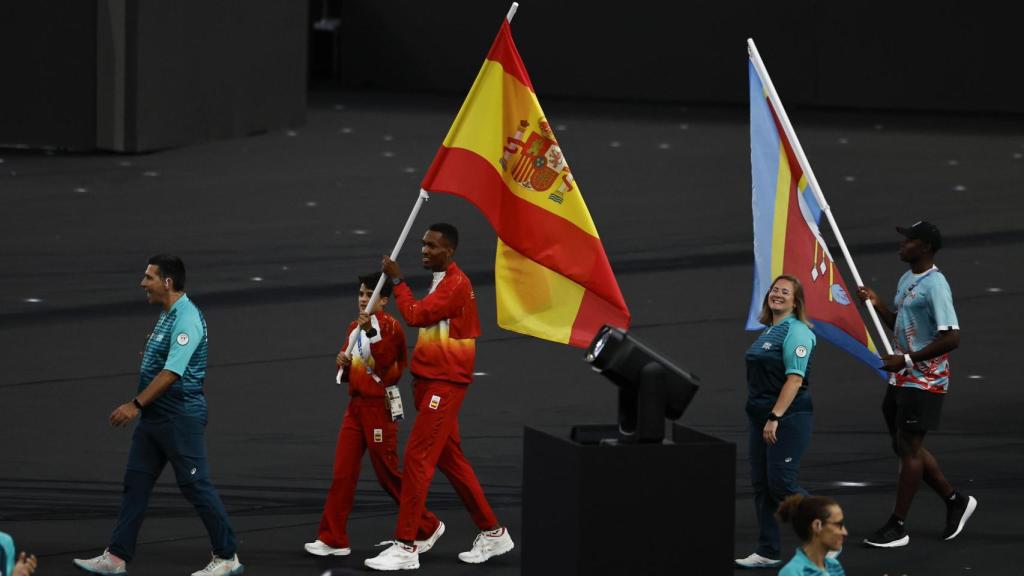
x: 552, y: 276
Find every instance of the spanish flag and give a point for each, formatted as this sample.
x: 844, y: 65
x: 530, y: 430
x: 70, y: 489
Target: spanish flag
x: 552, y: 276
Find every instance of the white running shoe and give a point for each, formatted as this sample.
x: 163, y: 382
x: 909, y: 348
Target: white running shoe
x: 221, y: 567
x: 424, y: 546
x: 319, y: 548
x: 397, y: 556
x: 488, y: 544
x: 755, y: 560
x: 105, y: 563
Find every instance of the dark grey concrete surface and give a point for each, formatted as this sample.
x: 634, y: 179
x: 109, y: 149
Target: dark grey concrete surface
x: 275, y: 227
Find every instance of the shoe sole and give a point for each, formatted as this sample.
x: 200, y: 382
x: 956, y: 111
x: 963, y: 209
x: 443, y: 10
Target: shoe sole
x: 424, y: 546
x: 894, y: 544
x: 235, y: 572
x: 972, y: 504
x: 91, y: 571
x: 499, y: 552
x: 333, y: 552
x: 756, y: 566
x: 413, y: 566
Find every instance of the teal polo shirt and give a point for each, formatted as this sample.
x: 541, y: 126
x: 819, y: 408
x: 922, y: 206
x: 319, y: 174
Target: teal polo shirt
x: 801, y: 565
x: 178, y: 344
x: 779, y: 350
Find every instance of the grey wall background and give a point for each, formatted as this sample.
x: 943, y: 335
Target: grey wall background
x: 140, y: 75
x: 48, y: 72
x: 212, y: 70
x: 941, y: 55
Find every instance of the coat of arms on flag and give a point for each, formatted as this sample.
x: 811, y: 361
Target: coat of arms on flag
x: 535, y: 160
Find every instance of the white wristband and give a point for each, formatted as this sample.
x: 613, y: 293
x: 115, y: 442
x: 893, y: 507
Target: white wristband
x: 910, y: 363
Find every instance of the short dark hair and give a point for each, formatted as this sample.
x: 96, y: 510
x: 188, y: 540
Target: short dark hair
x: 370, y: 280
x: 801, y: 511
x: 172, y: 267
x: 448, y: 232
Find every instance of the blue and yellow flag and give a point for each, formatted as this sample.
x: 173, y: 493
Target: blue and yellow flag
x: 787, y: 239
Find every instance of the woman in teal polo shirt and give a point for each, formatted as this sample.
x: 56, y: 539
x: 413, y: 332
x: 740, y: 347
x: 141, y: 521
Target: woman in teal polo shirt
x: 779, y: 410
x: 818, y: 522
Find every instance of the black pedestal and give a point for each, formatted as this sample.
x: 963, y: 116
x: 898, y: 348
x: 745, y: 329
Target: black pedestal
x: 628, y: 508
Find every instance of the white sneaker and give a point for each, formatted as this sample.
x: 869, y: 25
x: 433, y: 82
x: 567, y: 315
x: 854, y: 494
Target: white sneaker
x: 398, y: 556
x: 488, y: 544
x: 424, y: 546
x: 105, y: 563
x: 221, y: 567
x: 319, y: 548
x: 757, y: 561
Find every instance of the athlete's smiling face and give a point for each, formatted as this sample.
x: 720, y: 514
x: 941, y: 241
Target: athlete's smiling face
x: 157, y: 288
x: 781, y: 297
x: 437, y: 251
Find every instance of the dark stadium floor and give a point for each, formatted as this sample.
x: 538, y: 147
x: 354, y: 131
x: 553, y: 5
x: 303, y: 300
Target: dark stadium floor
x: 275, y: 227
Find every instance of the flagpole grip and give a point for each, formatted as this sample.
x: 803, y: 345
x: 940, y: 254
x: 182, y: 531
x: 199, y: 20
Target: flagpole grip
x: 512, y: 12
x: 423, y: 197
x: 787, y: 127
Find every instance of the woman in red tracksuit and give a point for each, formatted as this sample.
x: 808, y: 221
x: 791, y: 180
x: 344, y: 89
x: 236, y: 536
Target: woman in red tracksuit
x: 377, y: 362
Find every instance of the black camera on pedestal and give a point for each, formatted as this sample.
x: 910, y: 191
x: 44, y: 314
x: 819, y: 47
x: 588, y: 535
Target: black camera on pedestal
x: 651, y: 388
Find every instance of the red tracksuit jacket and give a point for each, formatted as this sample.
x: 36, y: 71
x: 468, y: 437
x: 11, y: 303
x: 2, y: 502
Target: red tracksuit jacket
x: 387, y: 358
x: 449, y: 326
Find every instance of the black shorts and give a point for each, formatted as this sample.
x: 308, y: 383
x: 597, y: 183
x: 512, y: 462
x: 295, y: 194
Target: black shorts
x: 911, y: 409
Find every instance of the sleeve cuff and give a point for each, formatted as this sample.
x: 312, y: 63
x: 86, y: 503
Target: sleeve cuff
x: 179, y: 371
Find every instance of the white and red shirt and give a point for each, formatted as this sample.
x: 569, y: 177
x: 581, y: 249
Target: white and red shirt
x: 448, y: 323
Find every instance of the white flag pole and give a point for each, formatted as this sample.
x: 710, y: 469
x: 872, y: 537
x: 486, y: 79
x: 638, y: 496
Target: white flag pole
x: 512, y: 12
x: 423, y: 197
x: 787, y: 127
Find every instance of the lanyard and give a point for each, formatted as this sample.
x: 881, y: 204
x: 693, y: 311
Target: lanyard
x: 914, y: 285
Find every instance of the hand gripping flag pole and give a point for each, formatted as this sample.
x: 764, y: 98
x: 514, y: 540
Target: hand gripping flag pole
x: 773, y: 96
x: 423, y: 197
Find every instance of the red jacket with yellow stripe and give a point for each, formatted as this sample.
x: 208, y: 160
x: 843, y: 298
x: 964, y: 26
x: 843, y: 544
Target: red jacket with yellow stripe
x: 449, y: 326
x: 384, y: 354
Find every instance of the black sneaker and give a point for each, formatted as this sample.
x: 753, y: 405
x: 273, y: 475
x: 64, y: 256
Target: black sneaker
x: 957, y: 514
x: 892, y: 535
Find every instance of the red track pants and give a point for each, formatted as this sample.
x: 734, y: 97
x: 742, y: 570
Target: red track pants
x: 367, y: 424
x: 434, y: 443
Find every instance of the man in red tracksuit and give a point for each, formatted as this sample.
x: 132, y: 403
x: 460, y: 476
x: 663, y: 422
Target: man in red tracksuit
x: 442, y: 368
x: 377, y: 361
